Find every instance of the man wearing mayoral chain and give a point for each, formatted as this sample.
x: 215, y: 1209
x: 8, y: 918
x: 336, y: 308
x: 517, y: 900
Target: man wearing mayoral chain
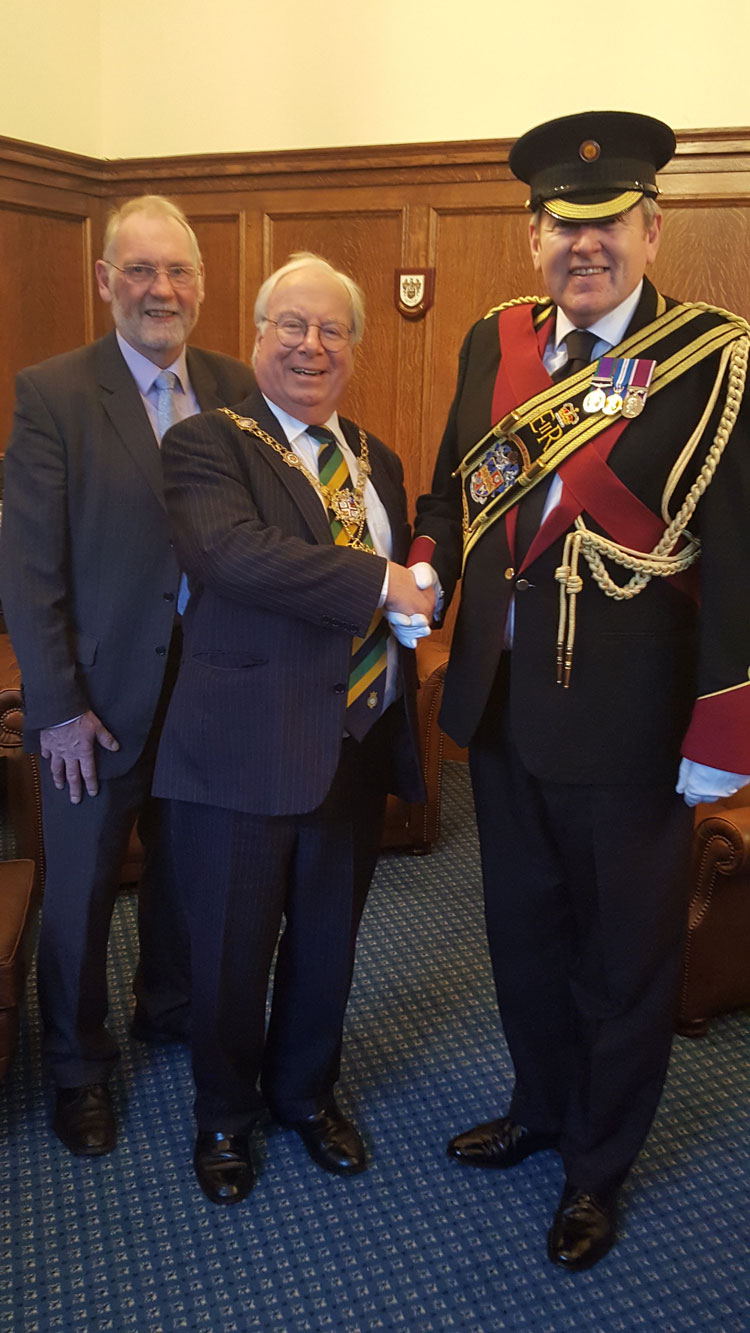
x: 292, y: 717
x: 592, y: 491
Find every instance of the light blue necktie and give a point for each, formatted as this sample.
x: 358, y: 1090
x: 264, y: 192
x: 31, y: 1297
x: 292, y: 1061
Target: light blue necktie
x: 166, y: 383
x: 166, y: 413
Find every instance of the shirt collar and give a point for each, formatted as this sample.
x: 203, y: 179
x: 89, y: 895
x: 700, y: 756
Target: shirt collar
x: 293, y: 428
x: 611, y: 327
x: 144, y: 372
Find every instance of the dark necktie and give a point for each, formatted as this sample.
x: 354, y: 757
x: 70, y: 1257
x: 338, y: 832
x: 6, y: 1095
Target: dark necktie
x: 579, y: 344
x: 367, y: 674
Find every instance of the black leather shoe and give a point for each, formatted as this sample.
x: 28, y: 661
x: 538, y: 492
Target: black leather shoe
x: 582, y: 1231
x: 223, y: 1166
x: 84, y: 1120
x: 498, y: 1143
x: 332, y: 1141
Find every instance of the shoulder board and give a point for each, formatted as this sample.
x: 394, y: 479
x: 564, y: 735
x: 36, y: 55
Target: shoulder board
x: 542, y: 301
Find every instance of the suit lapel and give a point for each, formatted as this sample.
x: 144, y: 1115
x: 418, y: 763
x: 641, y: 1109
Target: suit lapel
x: 384, y: 483
x: 304, y: 495
x: 203, y: 381
x: 123, y: 406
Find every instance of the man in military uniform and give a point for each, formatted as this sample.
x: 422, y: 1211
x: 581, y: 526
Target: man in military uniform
x: 592, y: 492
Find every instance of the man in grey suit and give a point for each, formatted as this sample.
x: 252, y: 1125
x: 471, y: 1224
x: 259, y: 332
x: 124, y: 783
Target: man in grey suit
x: 90, y: 587
x: 292, y: 717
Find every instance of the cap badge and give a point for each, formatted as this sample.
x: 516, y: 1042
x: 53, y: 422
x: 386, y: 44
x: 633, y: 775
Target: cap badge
x: 589, y: 150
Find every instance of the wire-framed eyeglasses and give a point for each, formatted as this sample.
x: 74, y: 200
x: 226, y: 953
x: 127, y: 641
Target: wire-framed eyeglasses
x: 291, y: 332
x: 143, y: 275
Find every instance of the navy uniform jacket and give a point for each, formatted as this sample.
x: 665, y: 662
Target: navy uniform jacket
x: 651, y: 676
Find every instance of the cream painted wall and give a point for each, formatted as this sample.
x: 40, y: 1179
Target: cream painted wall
x: 185, y: 76
x: 50, y: 73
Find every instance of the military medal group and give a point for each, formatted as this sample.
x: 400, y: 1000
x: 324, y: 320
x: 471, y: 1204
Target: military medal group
x: 619, y: 386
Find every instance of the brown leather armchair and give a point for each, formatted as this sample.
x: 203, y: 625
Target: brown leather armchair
x: 716, y: 962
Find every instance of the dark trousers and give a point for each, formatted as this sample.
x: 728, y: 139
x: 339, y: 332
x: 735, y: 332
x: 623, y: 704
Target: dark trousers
x: 244, y: 874
x: 84, y: 848
x: 586, y: 892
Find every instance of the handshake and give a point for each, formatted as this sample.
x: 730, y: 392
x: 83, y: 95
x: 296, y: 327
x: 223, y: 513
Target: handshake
x: 414, y: 599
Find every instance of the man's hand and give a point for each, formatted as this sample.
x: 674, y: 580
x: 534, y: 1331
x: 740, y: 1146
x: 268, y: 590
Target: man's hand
x: 406, y: 596
x: 407, y: 629
x: 70, y: 750
x: 698, y: 782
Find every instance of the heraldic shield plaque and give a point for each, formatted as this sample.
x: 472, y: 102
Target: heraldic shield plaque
x: 414, y: 289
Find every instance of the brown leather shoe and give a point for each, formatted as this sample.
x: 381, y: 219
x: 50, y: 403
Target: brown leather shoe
x: 84, y: 1120
x: 223, y: 1166
x: 500, y: 1143
x: 332, y: 1141
x: 582, y: 1231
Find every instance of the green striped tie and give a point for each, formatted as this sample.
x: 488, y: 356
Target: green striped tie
x: 364, y: 701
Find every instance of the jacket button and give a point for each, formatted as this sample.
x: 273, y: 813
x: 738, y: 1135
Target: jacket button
x: 339, y: 689
x: 523, y: 584
x: 510, y: 572
x: 161, y: 651
x: 168, y: 596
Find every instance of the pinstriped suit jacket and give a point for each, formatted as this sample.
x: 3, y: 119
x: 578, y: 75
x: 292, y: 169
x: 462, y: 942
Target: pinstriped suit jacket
x: 257, y: 715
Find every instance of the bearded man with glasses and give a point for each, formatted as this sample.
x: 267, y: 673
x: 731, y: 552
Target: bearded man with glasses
x: 90, y: 588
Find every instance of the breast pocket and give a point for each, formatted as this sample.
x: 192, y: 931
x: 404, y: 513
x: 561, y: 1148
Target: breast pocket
x: 219, y: 659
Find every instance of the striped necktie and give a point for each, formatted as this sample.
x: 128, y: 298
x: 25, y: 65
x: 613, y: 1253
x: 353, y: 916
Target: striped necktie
x: 364, y: 701
x: 166, y: 414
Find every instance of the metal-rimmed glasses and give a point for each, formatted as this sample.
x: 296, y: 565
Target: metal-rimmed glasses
x: 291, y: 332
x: 143, y: 275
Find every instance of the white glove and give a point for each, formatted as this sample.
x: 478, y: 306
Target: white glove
x: 698, y: 782
x: 407, y: 629
x: 425, y: 576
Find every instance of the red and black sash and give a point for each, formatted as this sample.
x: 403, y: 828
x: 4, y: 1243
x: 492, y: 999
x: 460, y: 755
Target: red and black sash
x: 541, y: 427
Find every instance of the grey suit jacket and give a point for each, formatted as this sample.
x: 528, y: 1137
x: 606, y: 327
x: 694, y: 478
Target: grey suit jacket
x: 88, y: 575
x: 257, y: 715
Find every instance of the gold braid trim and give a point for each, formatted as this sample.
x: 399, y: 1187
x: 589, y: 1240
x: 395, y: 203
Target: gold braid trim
x: 661, y: 562
x: 544, y: 301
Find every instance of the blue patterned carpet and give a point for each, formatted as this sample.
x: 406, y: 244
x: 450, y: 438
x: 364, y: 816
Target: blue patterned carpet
x: 127, y: 1242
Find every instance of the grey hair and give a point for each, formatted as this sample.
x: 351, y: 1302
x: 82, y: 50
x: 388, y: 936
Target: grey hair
x: 306, y: 259
x: 154, y: 205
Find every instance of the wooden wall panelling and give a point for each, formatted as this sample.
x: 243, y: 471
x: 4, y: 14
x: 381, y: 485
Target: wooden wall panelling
x: 45, y: 258
x: 705, y: 253
x: 224, y: 315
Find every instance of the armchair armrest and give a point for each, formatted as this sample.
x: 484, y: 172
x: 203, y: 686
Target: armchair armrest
x: 716, y: 960
x: 11, y: 713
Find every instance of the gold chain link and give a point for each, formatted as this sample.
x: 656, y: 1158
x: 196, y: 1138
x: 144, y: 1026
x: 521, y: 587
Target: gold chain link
x: 250, y: 426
